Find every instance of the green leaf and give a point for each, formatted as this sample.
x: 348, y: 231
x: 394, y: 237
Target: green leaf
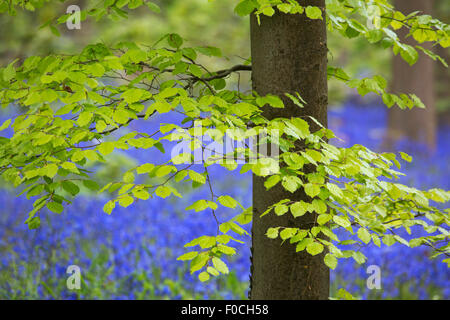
x: 272, y: 100
x: 131, y: 96
x: 409, y: 54
x: 84, y: 118
x: 312, y: 190
x: 9, y: 72
x: 335, y: 190
x: 245, y: 7
x: 319, y: 206
x: 331, y: 261
x: 291, y: 183
x: 91, y: 185
x: 199, y: 262
x: 313, y: 12
x: 55, y: 207
x: 220, y: 265
x: 212, y: 271
x: 359, y: 257
x: 314, y: 248
x: 284, y: 7
x: 164, y: 170
x: 196, y: 70
x: 288, y: 233
x: 126, y: 201
x: 121, y: 3
x: 188, y: 256
x: 315, y: 155
x: 121, y: 116
x: 34, y: 223
x: 323, y: 218
x: 209, y: 51
x: 133, y: 4
x: 406, y: 157
x: 343, y: 222
x: 388, y: 240
x: 227, y: 201
x: 70, y: 187
x: 226, y: 249
x: 109, y: 207
x: 203, y: 276
x: 376, y: 240
x: 201, y: 205
x: 5, y: 125
x: 154, y: 7
x: 272, y: 181
x: 32, y: 98
x: 145, y: 168
x: 268, y: 11
x: 197, y: 177
x: 302, y: 244
x: 36, y: 190
x: 343, y: 294
x: 51, y: 170
x: 298, y: 209
x: 174, y: 40
x: 301, y: 234
x: 272, y: 233
x: 182, y: 158
x: 281, y: 209
x: 70, y: 167
x: 128, y: 177
x: 364, y: 235
x: 141, y: 194
x: 207, y: 242
x: 106, y: 148
x: 163, y: 192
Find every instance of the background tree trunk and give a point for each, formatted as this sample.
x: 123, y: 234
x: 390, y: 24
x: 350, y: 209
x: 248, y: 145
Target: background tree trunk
x: 442, y: 74
x: 289, y: 54
x: 416, y: 124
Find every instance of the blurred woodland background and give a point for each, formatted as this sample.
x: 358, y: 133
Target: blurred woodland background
x: 119, y: 254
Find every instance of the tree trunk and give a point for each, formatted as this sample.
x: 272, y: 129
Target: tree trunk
x: 289, y: 54
x: 442, y: 73
x: 416, y: 124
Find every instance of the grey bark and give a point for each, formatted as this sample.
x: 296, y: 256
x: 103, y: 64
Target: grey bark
x: 289, y: 54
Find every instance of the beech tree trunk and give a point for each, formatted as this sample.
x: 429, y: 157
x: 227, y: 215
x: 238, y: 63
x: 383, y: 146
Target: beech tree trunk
x: 289, y: 54
x: 416, y: 124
